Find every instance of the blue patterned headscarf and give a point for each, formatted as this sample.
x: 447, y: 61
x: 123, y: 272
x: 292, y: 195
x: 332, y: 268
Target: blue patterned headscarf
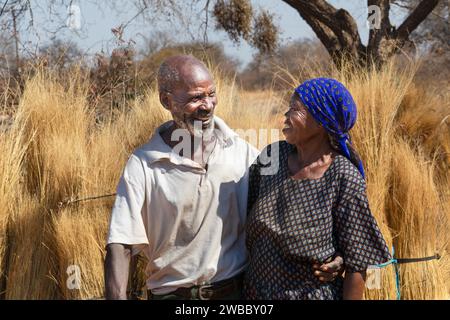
x: 332, y: 105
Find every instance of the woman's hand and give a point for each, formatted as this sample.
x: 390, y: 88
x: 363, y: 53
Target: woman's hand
x: 328, y: 271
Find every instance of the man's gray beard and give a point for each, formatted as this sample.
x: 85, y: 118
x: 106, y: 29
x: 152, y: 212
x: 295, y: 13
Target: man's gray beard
x: 186, y: 132
x: 196, y: 130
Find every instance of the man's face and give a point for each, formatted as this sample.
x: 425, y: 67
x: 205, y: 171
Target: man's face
x: 193, y: 100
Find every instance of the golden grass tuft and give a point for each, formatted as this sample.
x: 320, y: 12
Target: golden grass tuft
x: 79, y: 236
x: 12, y: 154
x: 418, y: 219
x: 31, y: 264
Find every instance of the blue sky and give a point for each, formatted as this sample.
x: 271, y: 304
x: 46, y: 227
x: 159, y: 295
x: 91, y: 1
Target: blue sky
x: 96, y: 25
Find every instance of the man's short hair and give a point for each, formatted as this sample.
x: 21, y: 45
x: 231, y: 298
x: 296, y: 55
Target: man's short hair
x: 169, y: 71
x: 168, y: 75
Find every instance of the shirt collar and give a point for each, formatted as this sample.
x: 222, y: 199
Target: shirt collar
x: 157, y: 150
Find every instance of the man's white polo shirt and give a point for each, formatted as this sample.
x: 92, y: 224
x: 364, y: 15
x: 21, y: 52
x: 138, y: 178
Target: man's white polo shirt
x: 188, y: 221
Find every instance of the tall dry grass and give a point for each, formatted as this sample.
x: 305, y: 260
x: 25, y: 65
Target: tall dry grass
x: 418, y: 217
x: 54, y: 126
x: 11, y: 156
x: 57, y: 152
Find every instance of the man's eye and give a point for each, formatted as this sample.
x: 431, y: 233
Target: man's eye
x: 212, y: 94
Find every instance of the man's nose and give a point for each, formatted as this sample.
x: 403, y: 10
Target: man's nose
x: 208, y: 104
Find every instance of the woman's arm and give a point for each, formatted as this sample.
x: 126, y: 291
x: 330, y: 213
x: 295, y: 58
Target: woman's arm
x: 354, y: 284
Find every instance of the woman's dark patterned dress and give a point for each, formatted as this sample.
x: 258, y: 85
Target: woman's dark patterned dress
x: 291, y: 223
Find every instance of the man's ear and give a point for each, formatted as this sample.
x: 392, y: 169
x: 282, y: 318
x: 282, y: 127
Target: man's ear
x: 164, y: 99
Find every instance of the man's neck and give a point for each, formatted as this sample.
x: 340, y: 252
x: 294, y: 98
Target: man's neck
x: 196, y: 147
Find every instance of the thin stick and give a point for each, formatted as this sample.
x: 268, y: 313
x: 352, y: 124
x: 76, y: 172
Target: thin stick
x: 73, y: 201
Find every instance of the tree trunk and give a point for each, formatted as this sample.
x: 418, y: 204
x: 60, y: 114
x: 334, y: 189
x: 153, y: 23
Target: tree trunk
x: 338, y: 32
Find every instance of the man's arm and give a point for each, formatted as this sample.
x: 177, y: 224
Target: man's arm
x: 330, y: 270
x: 117, y: 266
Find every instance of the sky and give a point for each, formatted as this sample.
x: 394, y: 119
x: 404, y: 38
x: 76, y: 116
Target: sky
x: 93, y: 33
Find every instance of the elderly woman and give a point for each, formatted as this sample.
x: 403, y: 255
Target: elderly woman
x: 314, y: 205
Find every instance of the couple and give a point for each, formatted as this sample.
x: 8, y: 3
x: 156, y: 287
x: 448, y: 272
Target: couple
x: 215, y: 222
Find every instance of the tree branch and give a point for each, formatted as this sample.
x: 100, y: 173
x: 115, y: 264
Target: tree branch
x: 419, y: 14
x: 325, y: 34
x: 319, y: 9
x: 3, y: 8
x: 410, y: 8
x: 205, y: 23
x: 333, y: 26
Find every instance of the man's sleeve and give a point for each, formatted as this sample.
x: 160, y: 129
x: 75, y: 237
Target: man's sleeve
x: 127, y: 223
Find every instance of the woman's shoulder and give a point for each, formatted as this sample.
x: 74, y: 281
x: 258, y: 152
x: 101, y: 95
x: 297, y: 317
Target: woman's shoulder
x: 276, y: 147
x: 348, y: 174
x: 274, y: 152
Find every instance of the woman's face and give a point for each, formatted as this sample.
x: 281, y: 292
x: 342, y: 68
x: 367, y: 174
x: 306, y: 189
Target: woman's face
x: 300, y: 125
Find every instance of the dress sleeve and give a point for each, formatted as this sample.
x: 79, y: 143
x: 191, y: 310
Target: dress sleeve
x: 356, y: 231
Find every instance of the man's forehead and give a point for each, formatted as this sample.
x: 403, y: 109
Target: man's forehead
x: 195, y: 72
x: 195, y: 79
x: 180, y: 70
x: 200, y: 89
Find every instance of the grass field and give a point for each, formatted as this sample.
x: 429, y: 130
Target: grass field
x: 55, y: 153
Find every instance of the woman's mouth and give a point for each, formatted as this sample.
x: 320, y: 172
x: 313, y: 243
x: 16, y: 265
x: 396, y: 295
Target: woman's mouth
x: 287, y: 126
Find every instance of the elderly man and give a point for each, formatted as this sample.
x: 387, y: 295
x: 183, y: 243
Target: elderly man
x: 182, y: 198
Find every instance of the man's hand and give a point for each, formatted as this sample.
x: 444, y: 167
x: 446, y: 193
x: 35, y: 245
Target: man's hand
x: 117, y: 266
x: 330, y: 269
